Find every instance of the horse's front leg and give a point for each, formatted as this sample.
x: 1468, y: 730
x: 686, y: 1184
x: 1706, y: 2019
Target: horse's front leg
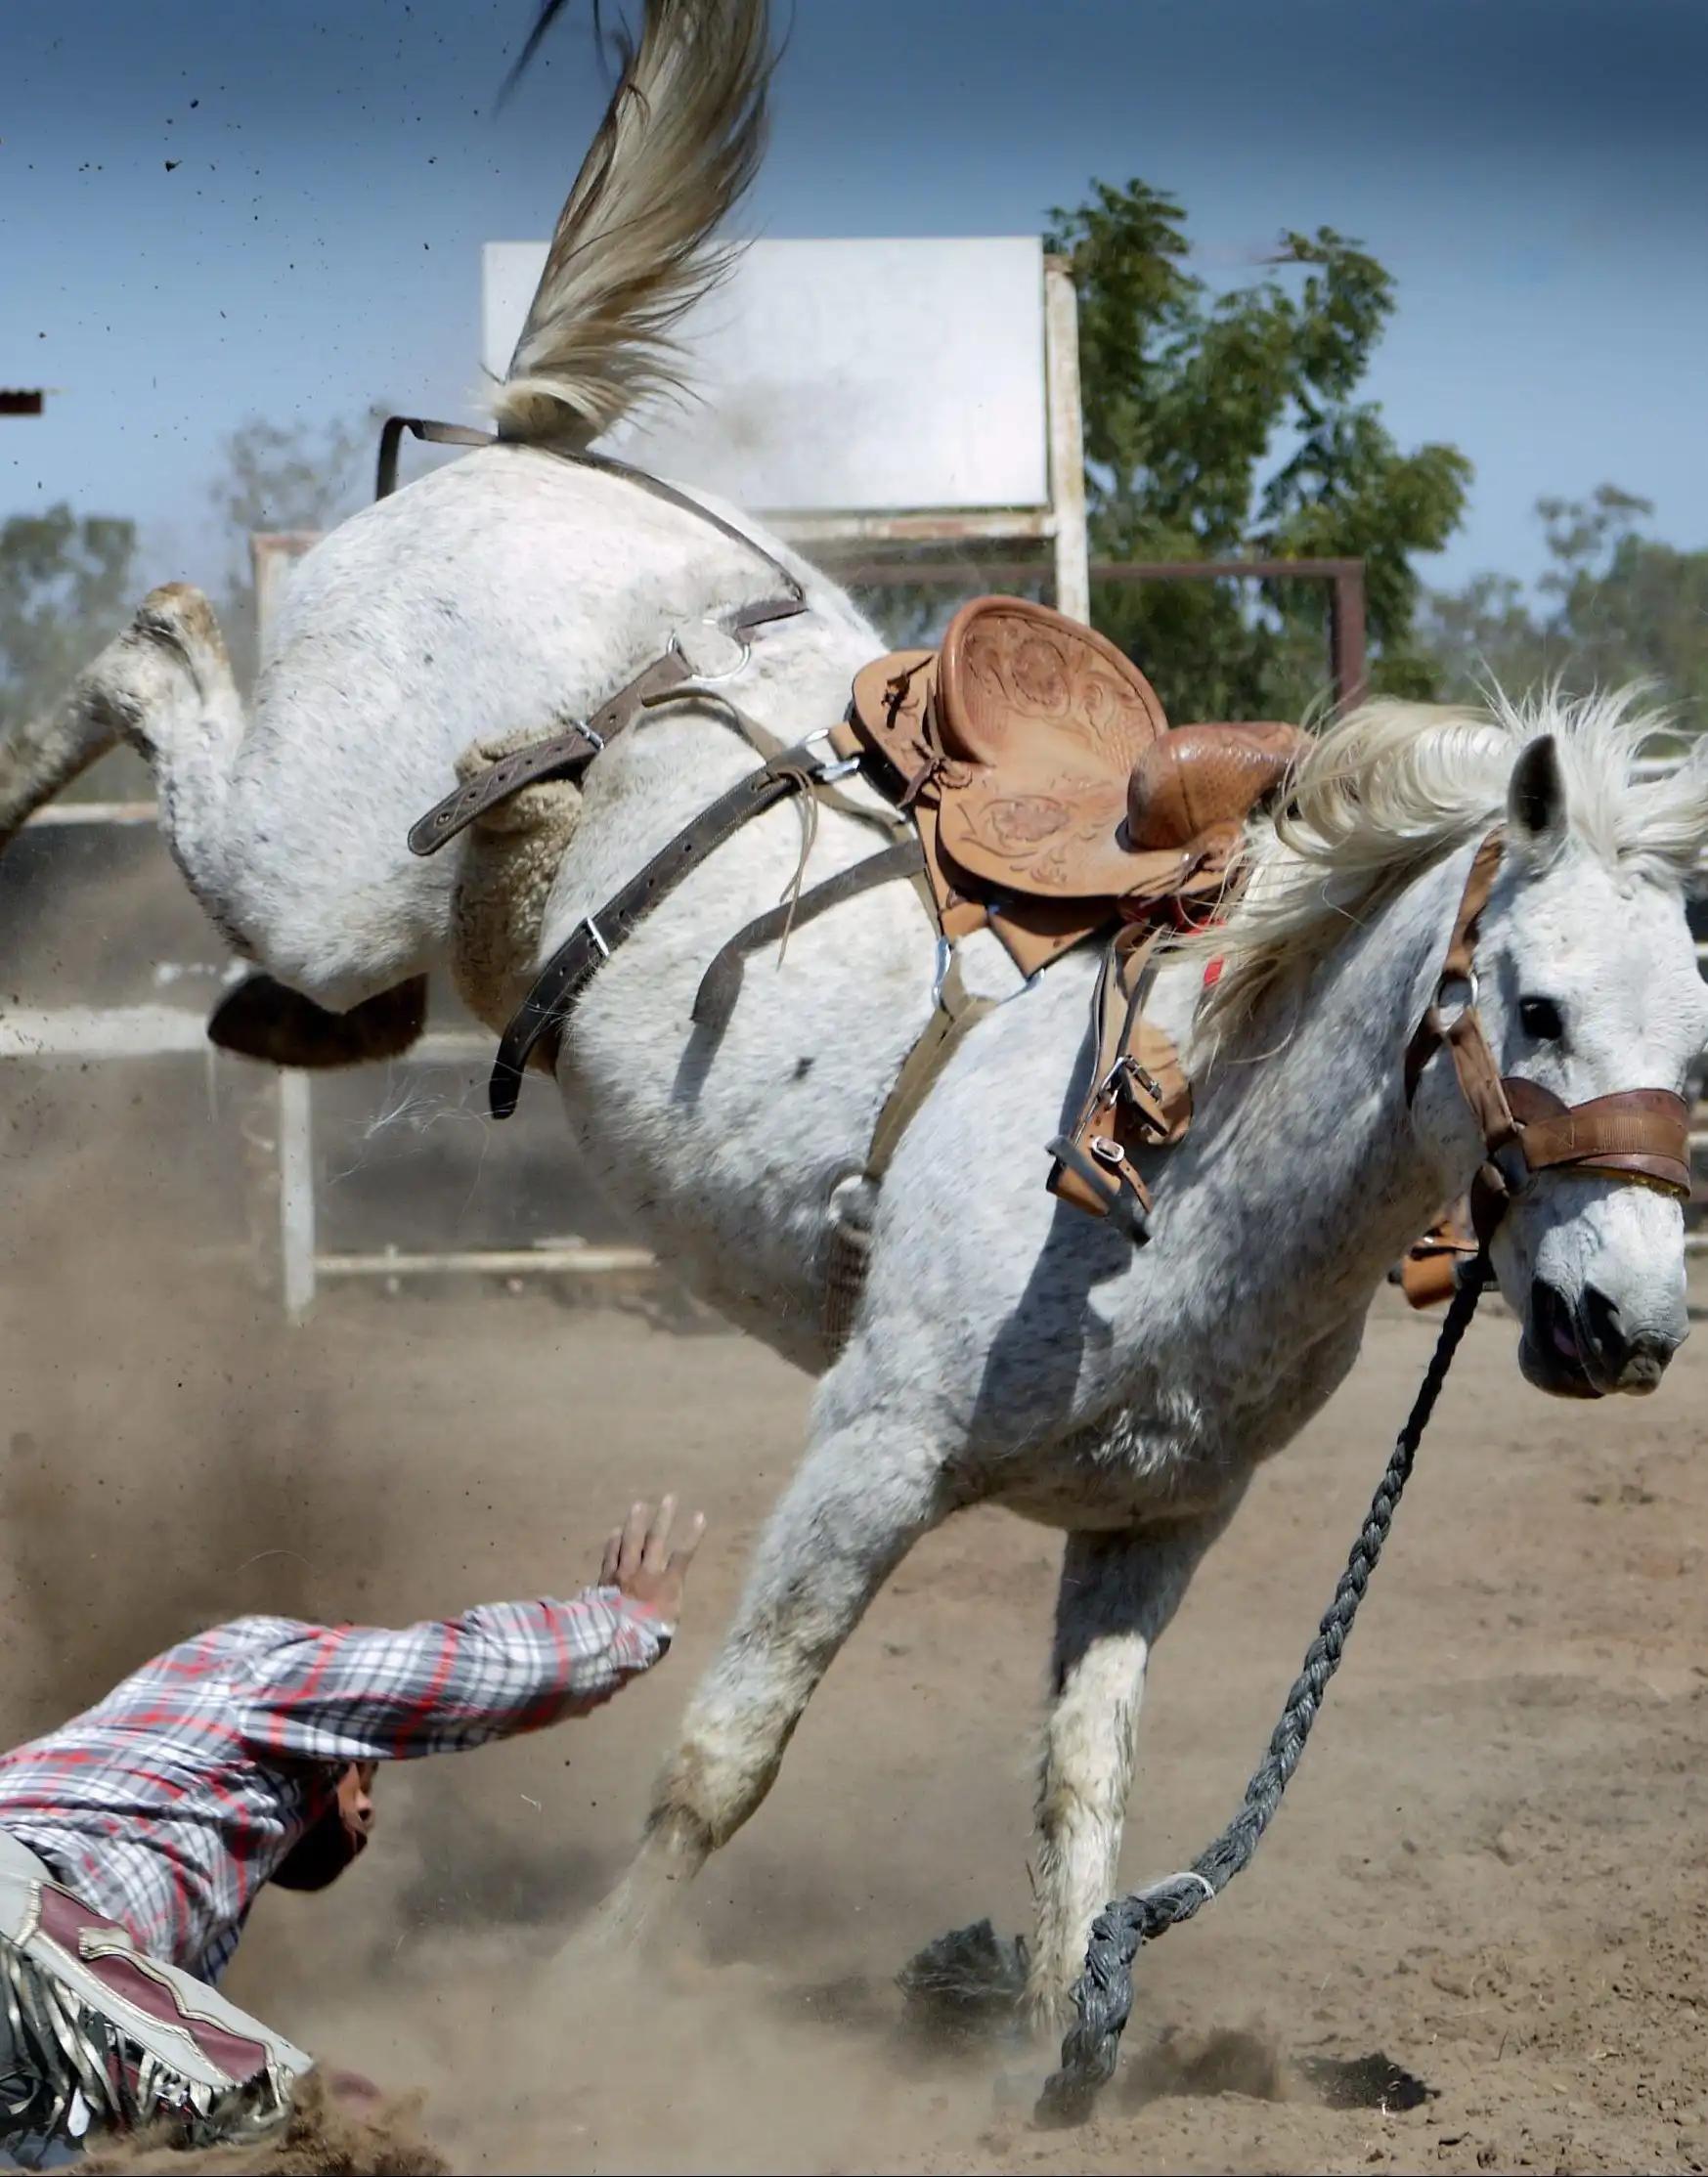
x: 862, y: 1497
x: 1118, y: 1594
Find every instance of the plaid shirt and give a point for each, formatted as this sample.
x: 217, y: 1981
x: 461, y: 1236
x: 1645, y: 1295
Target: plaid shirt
x: 170, y: 1803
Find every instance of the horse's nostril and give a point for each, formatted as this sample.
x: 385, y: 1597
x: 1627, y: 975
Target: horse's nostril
x: 1602, y: 1327
x: 1554, y: 1325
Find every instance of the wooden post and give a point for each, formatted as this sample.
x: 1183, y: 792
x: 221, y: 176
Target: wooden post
x: 1346, y: 659
x: 297, y: 1203
x: 274, y: 556
x: 1066, y: 449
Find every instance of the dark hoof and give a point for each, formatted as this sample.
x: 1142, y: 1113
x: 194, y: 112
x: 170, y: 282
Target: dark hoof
x: 968, y: 1985
x: 1372, y: 2082
x: 262, y: 1020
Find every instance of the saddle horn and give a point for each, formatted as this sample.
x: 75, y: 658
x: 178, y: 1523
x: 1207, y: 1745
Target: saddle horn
x: 1198, y: 780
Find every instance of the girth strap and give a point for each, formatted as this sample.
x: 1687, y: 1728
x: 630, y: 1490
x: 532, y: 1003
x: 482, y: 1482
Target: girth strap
x: 850, y: 1244
x: 596, y: 936
x: 957, y: 1011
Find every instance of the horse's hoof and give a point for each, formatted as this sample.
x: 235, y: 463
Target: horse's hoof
x: 262, y: 1020
x: 968, y: 1985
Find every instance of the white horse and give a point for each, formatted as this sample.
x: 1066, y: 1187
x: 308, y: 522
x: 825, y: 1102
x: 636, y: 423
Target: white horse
x: 1008, y: 1350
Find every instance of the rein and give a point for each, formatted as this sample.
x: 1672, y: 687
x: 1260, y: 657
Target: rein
x: 1104, y: 1995
x: 1638, y: 1136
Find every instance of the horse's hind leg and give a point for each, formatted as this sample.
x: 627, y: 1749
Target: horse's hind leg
x: 165, y: 686
x: 856, y: 1507
x: 1118, y: 1594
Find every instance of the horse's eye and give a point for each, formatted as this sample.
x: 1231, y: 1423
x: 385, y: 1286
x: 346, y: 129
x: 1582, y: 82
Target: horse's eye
x: 1540, y: 1018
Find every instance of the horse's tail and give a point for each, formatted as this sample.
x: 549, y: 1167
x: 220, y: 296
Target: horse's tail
x: 636, y: 241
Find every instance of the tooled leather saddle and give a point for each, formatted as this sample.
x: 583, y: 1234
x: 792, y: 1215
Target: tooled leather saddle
x: 1050, y: 800
x: 1045, y: 779
x: 1053, y: 801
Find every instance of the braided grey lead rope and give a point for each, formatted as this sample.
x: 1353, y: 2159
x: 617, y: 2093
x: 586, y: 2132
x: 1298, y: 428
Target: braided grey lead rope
x: 1104, y: 1995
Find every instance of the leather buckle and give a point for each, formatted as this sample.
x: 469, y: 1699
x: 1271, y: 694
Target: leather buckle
x: 831, y: 766
x: 1116, y: 1159
x: 1138, y: 1089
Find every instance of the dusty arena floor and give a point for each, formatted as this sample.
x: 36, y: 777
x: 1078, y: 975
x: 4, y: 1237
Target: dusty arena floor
x: 1490, y: 1874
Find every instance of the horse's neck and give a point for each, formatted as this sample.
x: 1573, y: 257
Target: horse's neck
x: 1325, y: 1164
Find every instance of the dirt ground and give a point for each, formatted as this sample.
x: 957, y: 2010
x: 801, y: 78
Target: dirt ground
x: 1489, y: 1874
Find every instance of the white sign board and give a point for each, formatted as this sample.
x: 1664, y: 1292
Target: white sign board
x: 841, y: 376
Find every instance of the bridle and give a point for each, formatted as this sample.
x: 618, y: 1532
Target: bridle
x: 1639, y: 1136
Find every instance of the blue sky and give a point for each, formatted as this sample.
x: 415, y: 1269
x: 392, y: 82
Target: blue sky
x: 1534, y: 172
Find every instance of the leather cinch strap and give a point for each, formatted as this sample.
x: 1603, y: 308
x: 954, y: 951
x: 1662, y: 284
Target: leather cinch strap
x: 598, y: 935
x: 565, y: 755
x: 1641, y: 1136
x: 849, y: 1246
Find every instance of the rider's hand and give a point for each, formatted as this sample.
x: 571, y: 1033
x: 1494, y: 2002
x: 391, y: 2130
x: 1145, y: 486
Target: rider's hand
x: 640, y: 1560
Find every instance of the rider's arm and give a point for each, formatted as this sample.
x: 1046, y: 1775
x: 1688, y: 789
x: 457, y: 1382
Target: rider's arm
x: 351, y: 1693
x: 354, y: 1693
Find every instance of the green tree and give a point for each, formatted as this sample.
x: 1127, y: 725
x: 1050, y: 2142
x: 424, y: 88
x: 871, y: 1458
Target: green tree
x: 66, y: 585
x: 1613, y: 606
x: 1225, y: 426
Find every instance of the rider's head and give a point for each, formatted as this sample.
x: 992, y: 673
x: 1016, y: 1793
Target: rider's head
x: 336, y: 1835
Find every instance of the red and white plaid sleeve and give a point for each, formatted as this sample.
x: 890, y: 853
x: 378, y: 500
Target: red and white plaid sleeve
x: 358, y: 1693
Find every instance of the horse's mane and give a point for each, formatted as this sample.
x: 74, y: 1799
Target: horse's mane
x: 1394, y: 786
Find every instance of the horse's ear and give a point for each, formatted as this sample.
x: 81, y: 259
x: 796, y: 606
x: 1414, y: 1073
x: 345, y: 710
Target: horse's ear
x: 1536, y: 811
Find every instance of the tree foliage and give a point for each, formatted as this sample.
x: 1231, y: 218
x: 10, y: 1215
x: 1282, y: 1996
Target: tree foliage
x: 66, y: 585
x: 1614, y: 606
x: 1230, y: 425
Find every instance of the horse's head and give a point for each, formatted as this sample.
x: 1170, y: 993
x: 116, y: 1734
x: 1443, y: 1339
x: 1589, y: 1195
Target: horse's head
x: 1586, y: 986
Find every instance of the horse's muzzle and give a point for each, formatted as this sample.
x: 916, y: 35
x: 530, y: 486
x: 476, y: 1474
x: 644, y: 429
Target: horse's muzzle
x: 1585, y: 1350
